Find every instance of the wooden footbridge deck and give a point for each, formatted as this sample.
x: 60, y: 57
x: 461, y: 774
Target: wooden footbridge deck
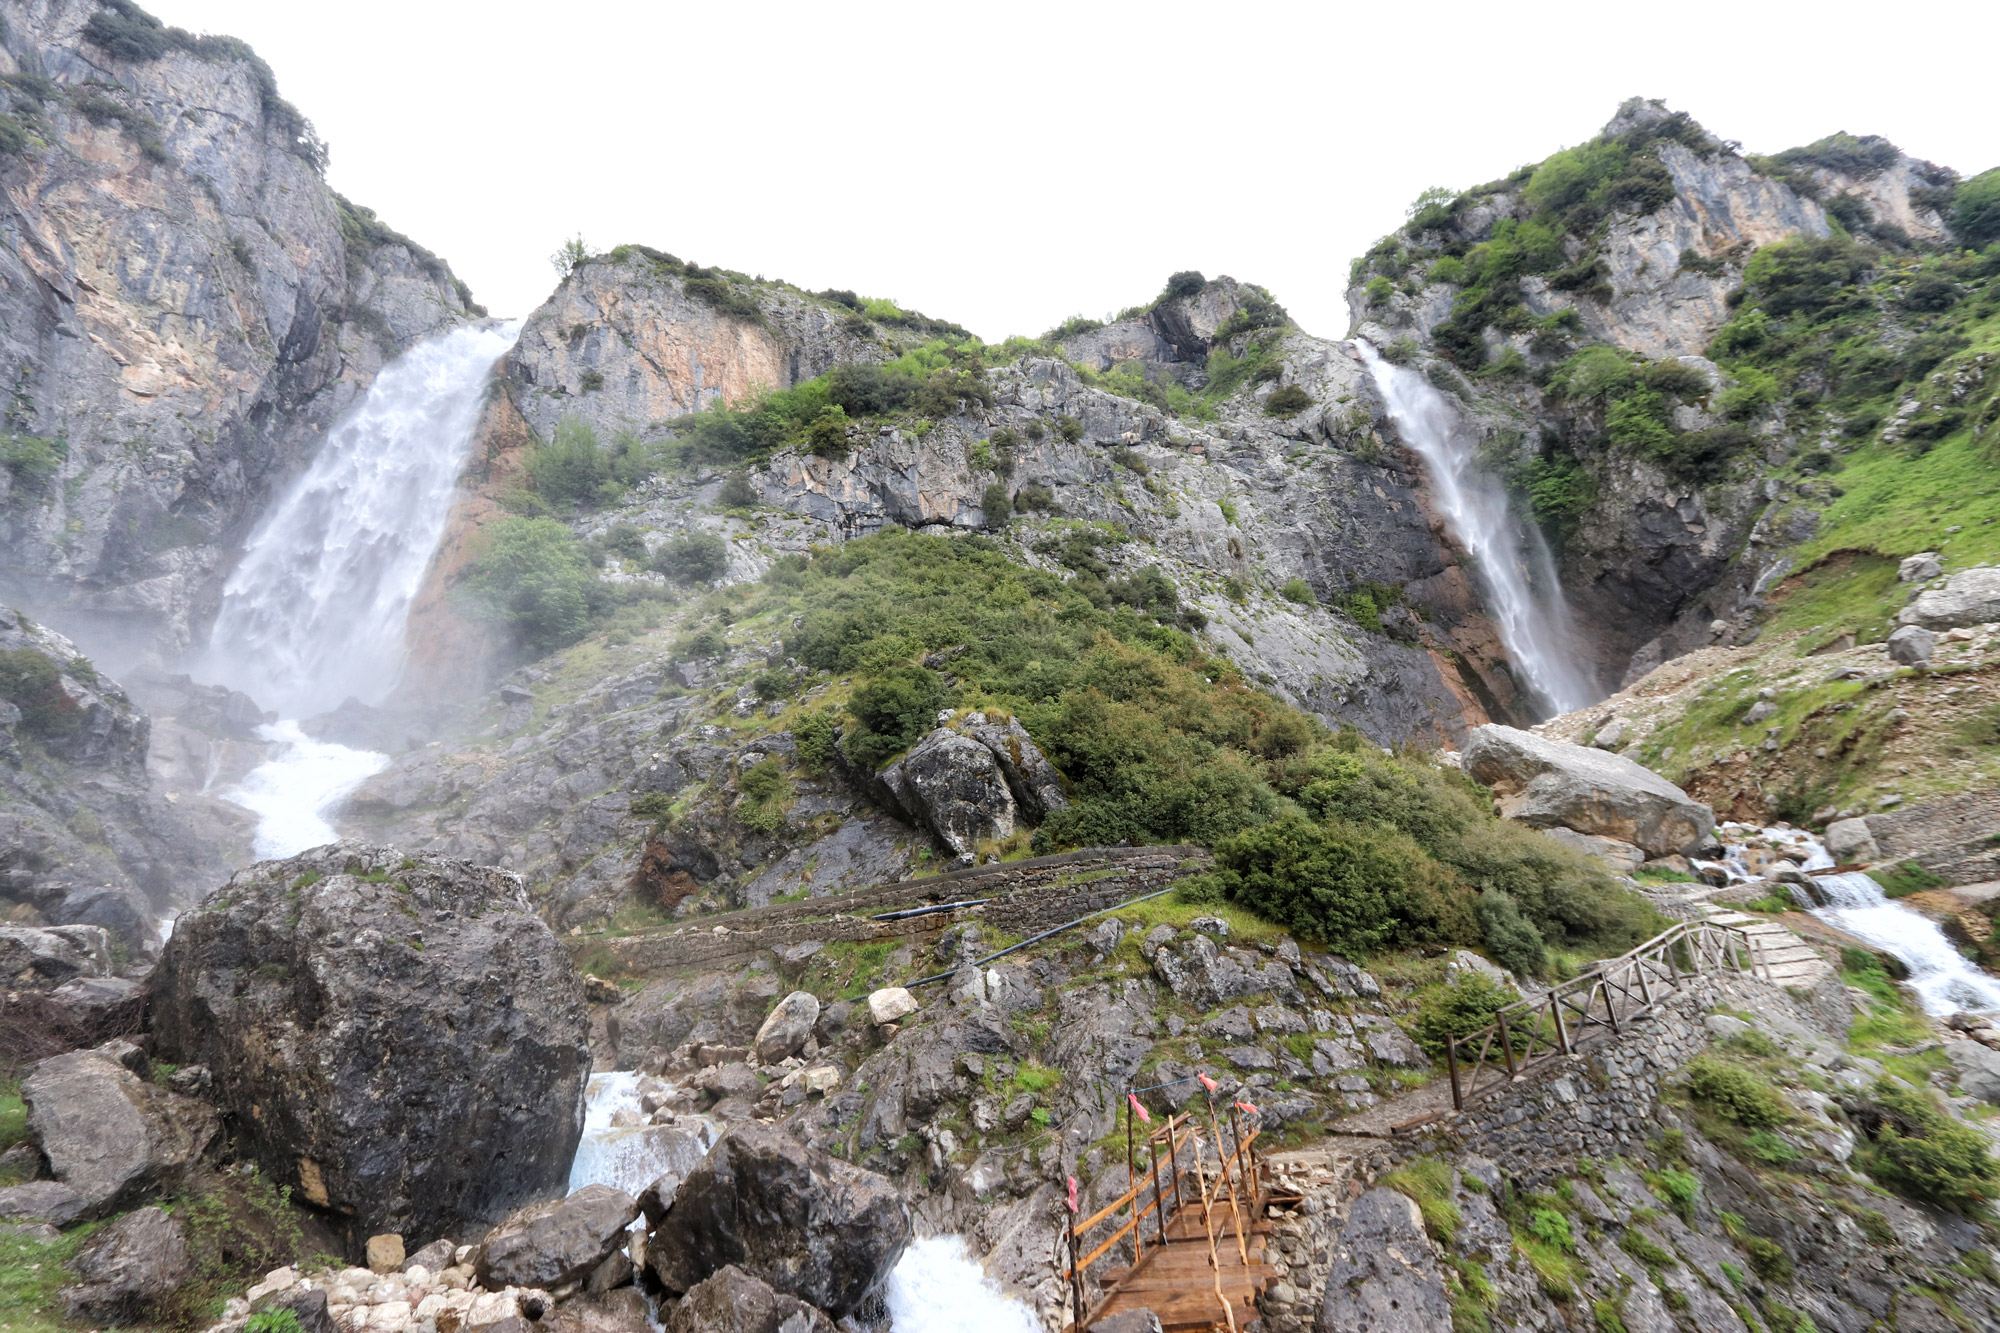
x: 1195, y: 1223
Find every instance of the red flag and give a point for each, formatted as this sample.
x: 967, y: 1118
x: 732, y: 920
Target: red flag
x: 1248, y: 1109
x: 1072, y: 1194
x: 1207, y: 1082
x: 1137, y: 1109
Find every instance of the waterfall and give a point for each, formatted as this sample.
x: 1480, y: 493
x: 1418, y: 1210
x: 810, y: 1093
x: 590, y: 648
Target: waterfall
x: 314, y: 612
x: 1534, y: 627
x: 1940, y: 975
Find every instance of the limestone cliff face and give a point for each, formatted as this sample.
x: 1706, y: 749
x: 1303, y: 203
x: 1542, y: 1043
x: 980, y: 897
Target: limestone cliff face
x: 185, y: 307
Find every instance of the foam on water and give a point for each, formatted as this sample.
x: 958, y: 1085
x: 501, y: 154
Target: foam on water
x: 292, y: 792
x: 938, y: 1288
x: 630, y: 1157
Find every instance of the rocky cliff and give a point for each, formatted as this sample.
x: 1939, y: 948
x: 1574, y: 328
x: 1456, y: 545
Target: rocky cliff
x: 186, y: 306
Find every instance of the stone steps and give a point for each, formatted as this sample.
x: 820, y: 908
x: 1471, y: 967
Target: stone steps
x: 1790, y: 961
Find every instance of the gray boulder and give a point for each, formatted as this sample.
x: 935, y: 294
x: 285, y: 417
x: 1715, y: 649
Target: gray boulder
x: 1385, y: 1277
x: 1969, y: 597
x: 810, y: 1225
x: 401, y: 1039
x: 41, y: 1201
x: 108, y: 1134
x: 1131, y: 1321
x: 102, y: 1006
x: 1208, y: 975
x: 1912, y: 645
x: 1545, y: 783
x: 1621, y: 858
x: 1849, y: 841
x: 308, y: 1307
x: 547, y: 1244
x: 953, y: 786
x: 732, y: 1301
x: 785, y: 1031
x: 1037, y: 787
x: 51, y: 955
x: 1977, y: 1068
x: 135, y: 1261
x: 1919, y: 568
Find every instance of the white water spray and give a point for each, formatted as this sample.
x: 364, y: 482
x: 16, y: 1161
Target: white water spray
x: 937, y: 1287
x: 1534, y: 626
x: 315, y: 611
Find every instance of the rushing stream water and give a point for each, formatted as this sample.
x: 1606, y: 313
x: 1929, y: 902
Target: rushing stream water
x: 1517, y: 575
x: 1944, y: 981
x: 315, y: 611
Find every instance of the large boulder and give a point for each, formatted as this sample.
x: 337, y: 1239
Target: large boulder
x: 1969, y: 597
x: 1037, y: 787
x: 110, y: 1136
x: 52, y: 955
x: 1547, y: 784
x: 137, y: 1260
x: 732, y: 1301
x: 785, y: 1031
x: 46, y: 1201
x: 548, y: 1244
x: 400, y: 1039
x: 953, y: 786
x: 810, y: 1225
x: 1385, y: 1276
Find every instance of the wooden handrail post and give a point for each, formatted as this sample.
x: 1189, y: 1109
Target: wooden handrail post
x: 1506, y: 1046
x: 1132, y: 1181
x: 1174, y: 1160
x: 1562, y: 1029
x: 1229, y: 1179
x: 1451, y: 1063
x: 1159, y: 1210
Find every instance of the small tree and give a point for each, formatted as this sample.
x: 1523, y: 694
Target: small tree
x: 531, y: 574
x: 694, y: 557
x: 571, y: 255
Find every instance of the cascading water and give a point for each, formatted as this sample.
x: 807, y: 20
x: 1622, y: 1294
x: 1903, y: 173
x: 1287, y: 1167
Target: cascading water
x: 1534, y: 625
x: 314, y: 612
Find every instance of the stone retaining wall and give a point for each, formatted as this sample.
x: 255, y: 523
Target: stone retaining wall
x: 1033, y: 896
x: 1607, y: 1100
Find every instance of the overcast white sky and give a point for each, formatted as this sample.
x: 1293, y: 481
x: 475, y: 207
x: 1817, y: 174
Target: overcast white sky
x: 1008, y: 165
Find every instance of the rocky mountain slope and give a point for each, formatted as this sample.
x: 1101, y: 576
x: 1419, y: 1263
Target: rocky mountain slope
x: 187, y: 308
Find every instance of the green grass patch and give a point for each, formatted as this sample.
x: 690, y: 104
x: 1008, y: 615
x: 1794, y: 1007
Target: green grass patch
x: 13, y: 1114
x: 1851, y: 591
x: 1427, y: 1181
x: 30, y: 1273
x: 1905, y: 878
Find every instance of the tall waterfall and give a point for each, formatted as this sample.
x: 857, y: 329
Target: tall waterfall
x: 314, y: 612
x: 1518, y: 579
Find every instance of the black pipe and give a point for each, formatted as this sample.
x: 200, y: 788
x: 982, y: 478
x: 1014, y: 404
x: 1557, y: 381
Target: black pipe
x: 926, y: 911
x: 1044, y: 935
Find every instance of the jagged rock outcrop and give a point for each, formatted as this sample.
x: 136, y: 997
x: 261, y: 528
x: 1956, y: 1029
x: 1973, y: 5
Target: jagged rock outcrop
x: 1545, y: 784
x: 109, y: 1135
x: 401, y: 1039
x: 810, y: 1225
x: 178, y: 276
x: 564, y: 1240
x: 29, y: 955
x: 952, y: 785
x: 1385, y: 1276
x: 732, y: 1301
x: 140, y: 1258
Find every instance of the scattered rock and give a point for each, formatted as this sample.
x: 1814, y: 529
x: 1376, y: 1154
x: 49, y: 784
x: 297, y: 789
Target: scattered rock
x: 1977, y: 1067
x: 1612, y: 735
x: 1131, y: 1321
x: 787, y: 1028
x: 52, y: 955
x: 732, y: 1301
x: 42, y: 1201
x: 810, y: 1225
x: 1912, y: 645
x: 890, y: 1004
x: 435, y: 1257
x: 412, y: 1038
x: 548, y: 1244
x: 135, y: 1261
x: 385, y: 1253
x: 1849, y: 841
x: 1919, y: 568
x: 1544, y: 783
x: 109, y: 1135
x: 1969, y: 597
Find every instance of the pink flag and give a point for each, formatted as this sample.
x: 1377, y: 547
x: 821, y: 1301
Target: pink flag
x: 1248, y: 1109
x: 1206, y: 1082
x: 1072, y: 1194
x: 1137, y: 1109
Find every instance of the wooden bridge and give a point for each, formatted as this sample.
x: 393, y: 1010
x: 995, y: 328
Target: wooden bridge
x: 1195, y: 1223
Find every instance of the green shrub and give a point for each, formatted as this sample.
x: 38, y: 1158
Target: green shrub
x: 1188, y: 282
x: 1805, y: 274
x: 1753, y: 391
x: 573, y: 471
x: 1287, y: 401
x: 815, y: 740
x: 994, y: 504
x: 32, y: 682
x: 1379, y: 291
x: 1735, y: 1093
x: 278, y: 1320
x: 1298, y: 591
x: 1918, y: 1150
x: 1459, y: 1008
x: 1679, y: 1188
x: 1511, y: 939
x: 32, y: 462
x: 530, y: 574
x: 127, y: 33
x: 737, y: 492
x: 1551, y: 1228
x: 1975, y: 210
x: 1034, y: 495
x: 892, y: 711
x: 693, y: 558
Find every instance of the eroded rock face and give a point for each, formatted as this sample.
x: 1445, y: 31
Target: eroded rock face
x: 110, y: 1136
x: 808, y: 1224
x: 1385, y: 1277
x: 191, y: 283
x: 953, y: 786
x: 51, y: 956
x: 411, y: 1036
x: 1545, y: 784
x: 547, y: 1244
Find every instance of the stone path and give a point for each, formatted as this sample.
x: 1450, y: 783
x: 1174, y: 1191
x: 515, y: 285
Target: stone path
x: 1790, y: 960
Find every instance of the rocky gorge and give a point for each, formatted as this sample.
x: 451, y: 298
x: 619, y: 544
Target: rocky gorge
x: 845, y: 774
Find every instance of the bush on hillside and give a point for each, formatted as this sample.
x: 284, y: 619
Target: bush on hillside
x: 1287, y: 401
x: 32, y: 682
x: 1918, y: 1150
x: 693, y: 557
x: 531, y: 575
x: 573, y: 471
x: 892, y: 711
x: 1975, y: 209
x: 1188, y: 282
x: 1735, y: 1093
x: 1459, y: 1008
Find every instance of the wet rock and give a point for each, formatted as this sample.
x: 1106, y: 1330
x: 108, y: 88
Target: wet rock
x: 1850, y: 840
x: 1969, y: 597
x: 109, y: 1135
x: 417, y: 1088
x: 1036, y: 786
x: 548, y: 1244
x: 953, y: 786
x: 810, y: 1225
x: 786, y: 1030
x: 732, y: 1301
x: 101, y: 1006
x: 1384, y: 1278
x: 135, y: 1261
x: 49, y: 956
x: 1977, y: 1068
x: 1545, y: 783
x: 1912, y: 645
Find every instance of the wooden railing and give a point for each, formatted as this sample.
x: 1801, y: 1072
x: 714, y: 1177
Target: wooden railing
x: 1177, y: 1146
x: 1526, y: 1036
